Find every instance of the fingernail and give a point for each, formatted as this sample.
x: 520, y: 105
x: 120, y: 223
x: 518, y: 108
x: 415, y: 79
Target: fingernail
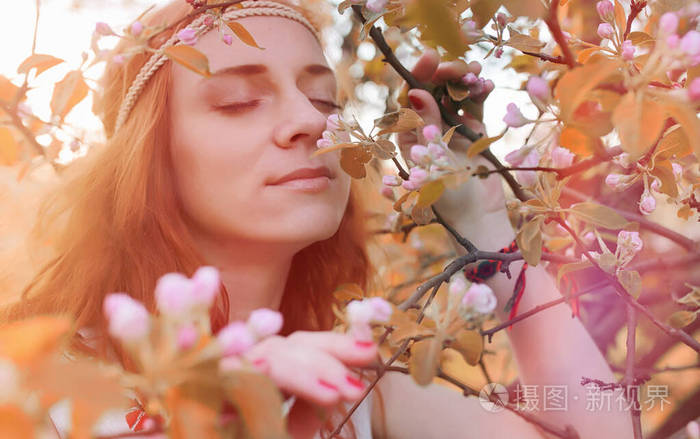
x: 416, y: 103
x: 355, y: 382
x: 326, y: 384
x: 364, y: 344
x: 260, y: 364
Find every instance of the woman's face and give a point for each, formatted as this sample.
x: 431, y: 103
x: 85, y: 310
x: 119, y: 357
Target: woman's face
x: 254, y: 120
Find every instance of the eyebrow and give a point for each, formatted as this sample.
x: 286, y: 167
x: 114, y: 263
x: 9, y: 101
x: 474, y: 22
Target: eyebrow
x: 259, y: 69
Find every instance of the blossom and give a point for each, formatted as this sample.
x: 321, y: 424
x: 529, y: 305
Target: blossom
x: 668, y: 23
x: 361, y: 312
x: 264, y: 322
x: 431, y: 132
x: 480, y: 297
x: 227, y: 39
x: 673, y: 41
x: 174, y: 295
x: 690, y: 43
x: 627, y: 50
x: 205, y: 286
x: 333, y: 122
x: 186, y: 337
x: 129, y: 320
x: 469, y: 79
x: 562, y: 157
x: 628, y: 245
x: 694, y: 90
x: 514, y: 118
x: 382, y: 309
x: 647, y: 203
x: 677, y: 169
x: 187, y: 36
x: 417, y: 176
x: 538, y: 89
x: 528, y: 178
x: 391, y: 180
x: 458, y: 286
x: 605, y: 30
x: 324, y: 143
x: 515, y: 158
x: 136, y: 28
x: 103, y: 28
x: 209, y: 21
x: 375, y: 5
x: 606, y: 10
x: 617, y: 182
x: 420, y: 154
x: 118, y: 59
x: 235, y: 339
x: 436, y: 150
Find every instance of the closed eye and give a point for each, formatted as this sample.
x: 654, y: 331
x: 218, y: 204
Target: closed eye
x: 238, y: 107
x: 329, y: 104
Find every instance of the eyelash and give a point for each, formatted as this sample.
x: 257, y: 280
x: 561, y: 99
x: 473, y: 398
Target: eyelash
x: 242, y: 106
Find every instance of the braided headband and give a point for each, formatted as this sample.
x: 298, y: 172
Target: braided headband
x: 251, y: 8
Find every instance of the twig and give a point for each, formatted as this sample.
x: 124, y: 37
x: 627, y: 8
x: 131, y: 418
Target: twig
x: 630, y: 374
x: 197, y: 11
x: 545, y: 57
x: 553, y: 24
x: 635, y: 9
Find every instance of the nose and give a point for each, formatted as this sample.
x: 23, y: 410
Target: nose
x: 301, y: 124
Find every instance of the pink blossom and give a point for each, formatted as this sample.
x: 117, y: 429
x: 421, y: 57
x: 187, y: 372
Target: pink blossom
x: 692, y: 429
x: 391, y: 180
x: 528, y: 178
x: 209, y: 21
x: 469, y: 79
x: 265, y: 322
x: 501, y: 19
x: 129, y: 320
x: 588, y: 238
x: 205, y: 286
x: 417, y: 175
x: 655, y: 185
x: 174, y: 295
x: 188, y: 36
x: 673, y: 41
x: 118, y: 59
x: 235, y: 339
x: 668, y: 23
x: 605, y: 30
x: 227, y: 39
x: 136, y: 28
x: 514, y: 118
x: 359, y: 312
x: 324, y: 143
x: 538, y: 89
x: 381, y: 308
x: 606, y: 10
x: 616, y: 182
x: 333, y: 122
x: 694, y: 90
x: 647, y: 203
x: 677, y: 170
x: 515, y: 158
x: 431, y: 132
x: 187, y: 336
x: 409, y: 185
x: 480, y: 297
x: 630, y: 240
x: 420, y: 154
x: 562, y: 157
x: 628, y: 50
x: 498, y: 53
x: 436, y: 150
x: 690, y: 43
x: 458, y: 286
x: 376, y: 5
x: 103, y: 28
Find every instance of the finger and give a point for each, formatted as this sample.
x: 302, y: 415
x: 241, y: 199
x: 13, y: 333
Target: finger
x: 450, y: 70
x: 426, y: 65
x: 333, y: 374
x: 474, y: 67
x: 342, y: 346
x: 299, y: 372
x: 424, y: 104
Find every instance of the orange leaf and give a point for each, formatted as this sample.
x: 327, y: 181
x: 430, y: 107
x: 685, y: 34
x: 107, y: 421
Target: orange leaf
x: 243, y: 34
x: 686, y: 116
x: 24, y: 340
x: 68, y: 93
x: 639, y: 121
x: 189, y: 57
x: 576, y: 142
x: 8, y: 90
x: 9, y: 148
x: 577, y: 83
x: 620, y: 16
x: 38, y: 62
x: 14, y: 423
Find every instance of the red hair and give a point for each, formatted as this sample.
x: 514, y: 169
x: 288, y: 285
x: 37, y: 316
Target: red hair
x: 114, y: 224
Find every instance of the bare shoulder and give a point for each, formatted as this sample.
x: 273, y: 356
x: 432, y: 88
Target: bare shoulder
x: 435, y: 411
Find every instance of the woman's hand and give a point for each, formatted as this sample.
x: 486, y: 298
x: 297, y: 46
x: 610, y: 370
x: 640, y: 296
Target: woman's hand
x: 478, y: 203
x: 313, y: 365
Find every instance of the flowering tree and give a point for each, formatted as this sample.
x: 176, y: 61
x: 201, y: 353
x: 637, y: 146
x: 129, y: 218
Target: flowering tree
x: 616, y: 89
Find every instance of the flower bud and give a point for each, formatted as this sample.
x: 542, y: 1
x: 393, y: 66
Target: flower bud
x: 514, y: 118
x: 690, y: 43
x: 129, y: 320
x: 655, y: 185
x: 692, y: 429
x: 562, y: 157
x: 480, y: 297
x: 627, y: 50
x: 174, y: 294
x: 187, y: 336
x: 187, y: 36
x: 668, y: 23
x: 469, y: 79
x: 227, y: 39
x: 431, y: 132
x: 677, y: 170
x: 647, y: 203
x: 333, y: 122
x: 630, y: 240
x: 205, y: 286
x: 235, y: 339
x: 209, y: 21
x: 359, y: 312
x: 605, y: 30
x: 391, y: 180
x: 436, y: 150
x: 136, y: 28
x: 381, y: 308
x: 409, y: 185
x: 458, y: 286
x: 420, y: 155
x: 606, y: 10
x: 418, y: 176
x: 617, y: 182
x: 694, y: 90
x: 528, y: 178
x: 265, y: 322
x: 673, y: 41
x: 538, y: 89
x: 501, y: 20
x: 375, y: 5
x: 388, y: 193
x: 323, y: 143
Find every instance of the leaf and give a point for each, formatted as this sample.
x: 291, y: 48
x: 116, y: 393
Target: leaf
x: 583, y: 55
x: 191, y: 418
x: 448, y: 134
x: 681, y: 319
x: 399, y: 121
x: 482, y: 144
x: 421, y: 215
x: 348, y: 291
x: 15, y: 423
x: 438, y: 24
x: 664, y: 172
x: 576, y: 141
x: 598, y: 214
x: 189, y: 57
x: 68, y: 93
x: 334, y: 148
x: 529, y: 239
x: 259, y: 403
x: 430, y: 193
x: 243, y: 34
x: 39, y: 62
x: 484, y: 10
x: 405, y: 326
x: 383, y: 149
x: 686, y: 116
x: 522, y: 42
x: 8, y: 91
x: 640, y: 38
x: 589, y: 118
x: 632, y: 282
x: 23, y: 341
x: 9, y: 148
x: 675, y: 142
x: 575, y: 85
x: 639, y: 123
x: 470, y: 344
x: 525, y: 8
x: 353, y: 160
x: 620, y: 17
x: 458, y: 92
x: 425, y: 359
x: 565, y: 269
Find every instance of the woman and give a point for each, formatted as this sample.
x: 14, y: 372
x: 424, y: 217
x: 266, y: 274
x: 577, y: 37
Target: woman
x: 194, y: 174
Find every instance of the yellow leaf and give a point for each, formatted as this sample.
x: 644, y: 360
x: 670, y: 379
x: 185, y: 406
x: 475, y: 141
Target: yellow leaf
x: 523, y: 43
x: 191, y: 418
x: 482, y: 144
x: 430, y: 193
x: 68, y: 93
x: 259, y: 402
x: 406, y: 326
x: 632, y: 282
x: 383, y: 149
x: 190, y: 58
x: 425, y: 359
x: 484, y: 10
x: 353, y: 160
x: 470, y: 344
x: 681, y: 319
x: 333, y: 148
x: 525, y: 8
x: 574, y: 86
x: 529, y: 239
x: 568, y: 268
x: 15, y: 423
x: 448, y: 135
x: 399, y: 121
x: 664, y: 172
x: 620, y: 16
x: 24, y: 340
x: 421, y: 215
x: 438, y: 23
x: 9, y: 148
x: 585, y: 54
x: 38, y: 62
x: 687, y: 117
x: 598, y: 214
x: 8, y: 90
x: 675, y: 142
x: 638, y: 123
x: 243, y: 34
x: 576, y: 141
x: 457, y: 92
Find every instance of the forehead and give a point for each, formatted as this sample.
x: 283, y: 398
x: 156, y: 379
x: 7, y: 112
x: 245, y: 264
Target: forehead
x: 287, y: 45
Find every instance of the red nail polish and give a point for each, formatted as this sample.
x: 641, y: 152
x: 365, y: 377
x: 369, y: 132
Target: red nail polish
x: 355, y: 381
x: 416, y: 103
x: 364, y: 344
x: 326, y: 384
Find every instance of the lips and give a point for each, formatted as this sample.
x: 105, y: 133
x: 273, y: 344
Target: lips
x: 321, y: 171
